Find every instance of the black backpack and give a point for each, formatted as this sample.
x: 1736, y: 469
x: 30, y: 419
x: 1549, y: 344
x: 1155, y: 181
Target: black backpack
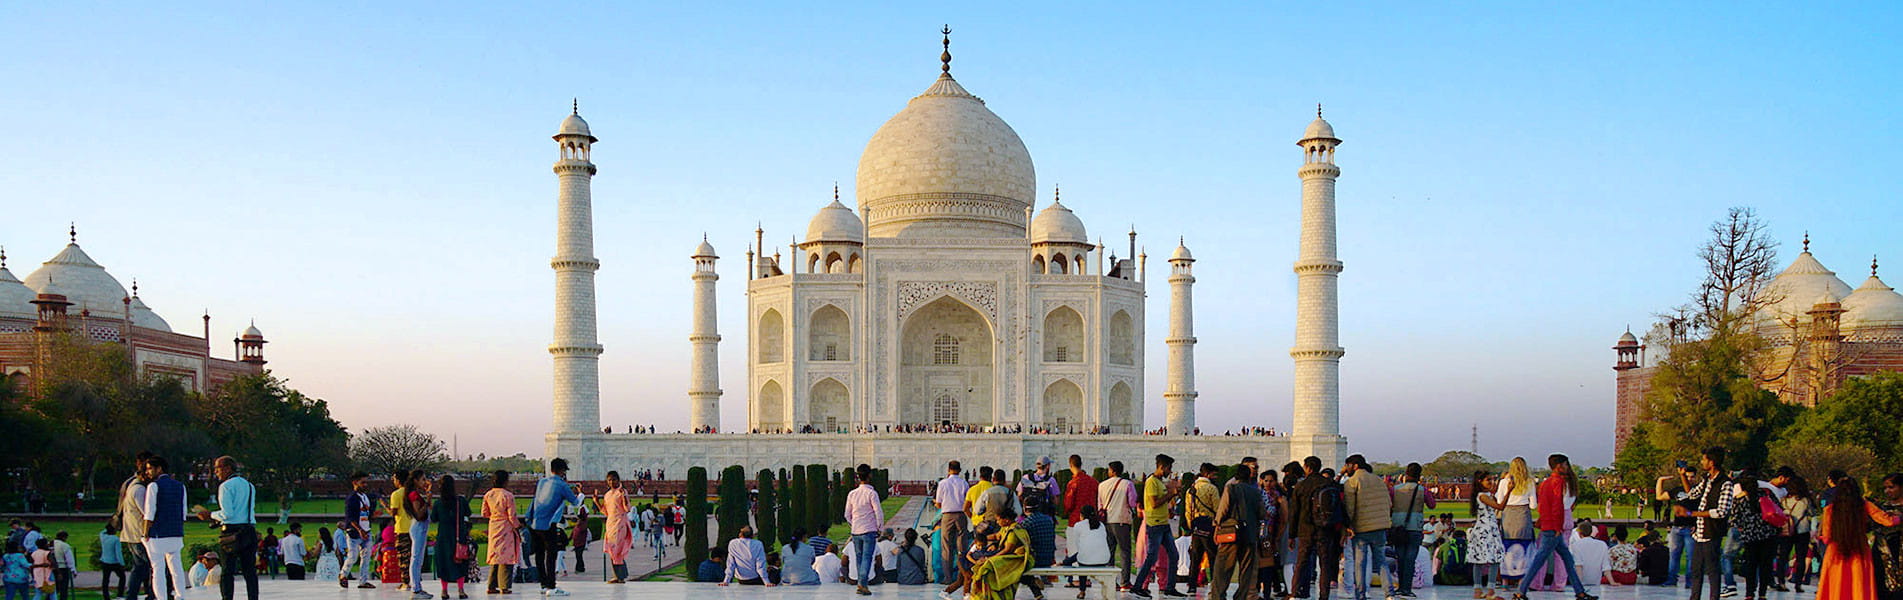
x: 1325, y: 508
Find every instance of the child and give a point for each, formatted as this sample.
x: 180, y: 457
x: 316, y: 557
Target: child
x: 15, y: 571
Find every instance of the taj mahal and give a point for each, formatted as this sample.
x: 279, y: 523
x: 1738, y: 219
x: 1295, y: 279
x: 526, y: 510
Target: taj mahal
x: 947, y: 317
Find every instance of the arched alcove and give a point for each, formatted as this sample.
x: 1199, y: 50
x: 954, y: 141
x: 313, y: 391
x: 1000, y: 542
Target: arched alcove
x: 829, y: 335
x: 1063, y: 405
x: 772, y: 337
x: 1063, y: 336
x: 1122, y: 336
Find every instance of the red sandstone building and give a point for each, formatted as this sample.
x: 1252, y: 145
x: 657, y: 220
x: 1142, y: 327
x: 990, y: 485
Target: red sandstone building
x: 1820, y: 330
x: 71, y: 295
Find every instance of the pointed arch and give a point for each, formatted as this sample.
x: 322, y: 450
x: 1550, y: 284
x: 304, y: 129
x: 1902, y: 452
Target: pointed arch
x: 1123, y: 337
x: 835, y: 264
x: 769, y: 409
x: 812, y: 262
x: 829, y: 334
x: 945, y: 364
x: 828, y: 406
x: 853, y: 264
x: 1063, y: 335
x: 1037, y: 264
x: 1079, y: 268
x: 1123, y: 409
x: 1059, y: 264
x: 1063, y: 405
x: 772, y: 337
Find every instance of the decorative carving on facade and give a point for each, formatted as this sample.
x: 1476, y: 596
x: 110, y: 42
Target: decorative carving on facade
x: 982, y: 295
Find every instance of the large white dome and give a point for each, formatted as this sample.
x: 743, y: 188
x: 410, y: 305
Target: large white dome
x: 1794, y: 291
x: 946, y: 167
x: 86, y: 284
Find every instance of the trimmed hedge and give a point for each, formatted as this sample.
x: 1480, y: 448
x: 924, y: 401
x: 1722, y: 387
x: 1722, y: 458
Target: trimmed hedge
x: 733, y: 511
x: 767, y: 510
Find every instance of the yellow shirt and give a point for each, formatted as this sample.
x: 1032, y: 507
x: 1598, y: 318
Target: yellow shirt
x: 400, y: 508
x: 1156, y: 502
x: 971, y: 496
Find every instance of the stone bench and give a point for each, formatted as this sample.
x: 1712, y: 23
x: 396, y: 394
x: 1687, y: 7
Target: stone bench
x: 1104, y: 576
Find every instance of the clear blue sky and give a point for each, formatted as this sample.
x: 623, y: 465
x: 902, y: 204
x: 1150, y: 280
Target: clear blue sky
x: 371, y: 181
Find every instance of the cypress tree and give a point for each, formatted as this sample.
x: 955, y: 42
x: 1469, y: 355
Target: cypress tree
x: 817, y: 496
x: 842, y: 485
x: 795, y: 499
x: 694, y: 548
x: 768, y: 513
x: 733, y: 504
x: 880, y: 479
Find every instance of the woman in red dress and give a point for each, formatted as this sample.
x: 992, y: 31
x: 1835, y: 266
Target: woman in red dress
x: 1847, y: 573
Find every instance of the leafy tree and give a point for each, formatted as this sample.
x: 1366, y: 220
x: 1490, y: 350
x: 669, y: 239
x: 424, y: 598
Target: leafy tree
x: 1864, y: 413
x: 1814, y: 461
x: 767, y: 513
x: 695, y: 547
x: 1454, y: 463
x: 1705, y: 392
x: 1640, y: 463
x: 392, y: 448
x: 818, y: 499
x: 278, y: 435
x: 733, y: 504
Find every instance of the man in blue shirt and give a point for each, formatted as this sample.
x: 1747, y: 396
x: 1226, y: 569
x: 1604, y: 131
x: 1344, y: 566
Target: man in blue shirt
x: 237, y: 521
x: 164, y: 513
x: 553, y: 494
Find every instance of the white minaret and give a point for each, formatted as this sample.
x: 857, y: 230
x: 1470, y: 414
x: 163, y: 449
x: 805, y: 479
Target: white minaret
x: 1180, y: 397
x: 1317, y: 352
x: 577, y: 352
x: 703, y: 391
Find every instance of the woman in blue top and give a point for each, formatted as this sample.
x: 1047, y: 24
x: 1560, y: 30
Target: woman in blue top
x: 14, y: 571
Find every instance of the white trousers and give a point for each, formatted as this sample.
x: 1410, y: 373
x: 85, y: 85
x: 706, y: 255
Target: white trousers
x: 168, y: 566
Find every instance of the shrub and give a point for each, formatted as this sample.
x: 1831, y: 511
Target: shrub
x: 767, y: 511
x: 733, y: 504
x: 818, y: 499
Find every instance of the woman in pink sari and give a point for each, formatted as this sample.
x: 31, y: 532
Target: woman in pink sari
x: 616, y: 536
x: 505, y: 541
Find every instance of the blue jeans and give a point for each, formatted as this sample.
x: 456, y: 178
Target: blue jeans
x: 419, y: 545
x: 1549, y: 544
x: 1158, y: 542
x: 16, y: 590
x: 1404, y: 558
x: 863, y: 547
x: 1364, y: 558
x: 358, y: 554
x: 1680, y: 542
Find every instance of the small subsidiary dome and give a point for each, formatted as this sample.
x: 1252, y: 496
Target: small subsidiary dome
x: 574, y: 125
x: 836, y: 223
x: 1628, y: 339
x: 1319, y: 130
x: 1181, y: 253
x: 1873, y: 304
x: 252, y: 332
x: 704, y: 250
x: 16, y: 300
x: 142, y: 316
x: 1056, y: 223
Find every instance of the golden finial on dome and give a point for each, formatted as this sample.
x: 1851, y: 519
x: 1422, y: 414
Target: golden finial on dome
x: 1318, y: 110
x: 1807, y: 242
x: 835, y: 191
x: 945, y: 57
x: 3, y: 257
x: 574, y: 106
x: 1873, y: 263
x: 1057, y: 193
x: 72, y: 232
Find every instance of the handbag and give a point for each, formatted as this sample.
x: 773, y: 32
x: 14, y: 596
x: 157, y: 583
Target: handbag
x: 1226, y: 534
x: 464, y: 552
x: 1397, y: 534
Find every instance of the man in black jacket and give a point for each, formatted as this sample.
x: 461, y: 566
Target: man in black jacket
x: 1240, y: 511
x: 1317, y: 545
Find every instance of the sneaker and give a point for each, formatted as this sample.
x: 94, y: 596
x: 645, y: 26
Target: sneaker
x: 557, y: 592
x: 1729, y: 592
x: 1171, y: 592
x: 1140, y: 592
x: 343, y: 583
x: 420, y: 595
x: 366, y: 586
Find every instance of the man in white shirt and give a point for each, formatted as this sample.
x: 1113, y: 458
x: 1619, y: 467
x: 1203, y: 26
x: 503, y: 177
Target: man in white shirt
x: 887, y: 556
x: 64, y: 565
x: 1590, y: 556
x: 1117, y: 502
x: 291, y: 547
x: 746, y: 560
x: 953, y: 525
x: 828, y: 565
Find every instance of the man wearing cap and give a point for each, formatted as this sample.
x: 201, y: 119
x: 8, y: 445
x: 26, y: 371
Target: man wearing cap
x: 1040, y: 481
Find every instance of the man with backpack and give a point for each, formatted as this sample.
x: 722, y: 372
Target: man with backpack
x: 1315, y: 506
x: 1199, y: 508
